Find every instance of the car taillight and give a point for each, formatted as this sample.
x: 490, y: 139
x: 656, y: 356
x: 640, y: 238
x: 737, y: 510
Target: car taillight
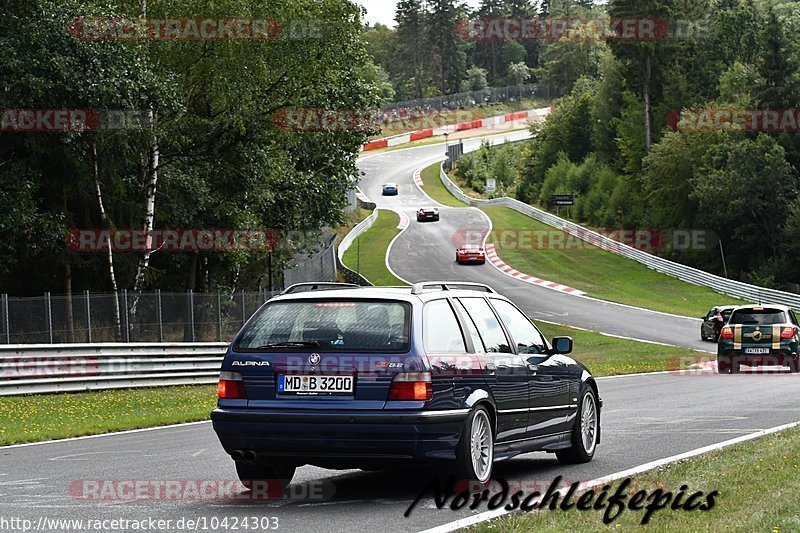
x: 787, y: 333
x: 727, y: 332
x: 231, y: 386
x: 411, y: 386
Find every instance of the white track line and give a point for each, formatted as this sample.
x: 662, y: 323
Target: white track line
x: 112, y: 434
x: 489, y: 515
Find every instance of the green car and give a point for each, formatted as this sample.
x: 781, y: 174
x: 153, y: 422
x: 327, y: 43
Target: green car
x: 759, y: 336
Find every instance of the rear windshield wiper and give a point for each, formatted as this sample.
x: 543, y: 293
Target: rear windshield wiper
x: 297, y: 344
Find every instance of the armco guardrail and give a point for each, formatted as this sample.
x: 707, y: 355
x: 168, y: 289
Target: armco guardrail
x: 47, y: 368
x: 351, y: 275
x: 738, y: 289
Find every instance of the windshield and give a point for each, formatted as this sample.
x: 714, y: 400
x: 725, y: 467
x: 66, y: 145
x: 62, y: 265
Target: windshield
x: 329, y: 326
x: 760, y: 317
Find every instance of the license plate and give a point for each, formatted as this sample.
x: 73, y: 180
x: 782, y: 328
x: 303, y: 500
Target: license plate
x: 755, y: 351
x: 315, y: 384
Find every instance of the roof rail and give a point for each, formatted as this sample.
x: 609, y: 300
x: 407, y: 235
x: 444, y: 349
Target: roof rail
x: 319, y: 286
x: 418, y: 288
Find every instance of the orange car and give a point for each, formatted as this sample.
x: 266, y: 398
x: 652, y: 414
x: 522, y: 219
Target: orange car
x: 470, y: 253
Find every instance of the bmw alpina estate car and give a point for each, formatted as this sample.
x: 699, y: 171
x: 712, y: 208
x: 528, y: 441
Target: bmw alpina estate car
x: 445, y: 373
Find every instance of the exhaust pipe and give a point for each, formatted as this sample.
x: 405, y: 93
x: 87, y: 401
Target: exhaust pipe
x: 250, y: 456
x: 237, y: 455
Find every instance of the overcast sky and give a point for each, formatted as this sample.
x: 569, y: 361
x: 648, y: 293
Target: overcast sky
x: 383, y: 10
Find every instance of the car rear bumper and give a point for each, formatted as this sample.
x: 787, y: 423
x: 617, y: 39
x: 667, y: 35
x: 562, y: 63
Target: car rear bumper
x: 309, y: 435
x: 774, y: 358
x: 471, y: 259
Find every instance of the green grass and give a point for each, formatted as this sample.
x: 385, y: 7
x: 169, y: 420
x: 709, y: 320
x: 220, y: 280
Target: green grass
x: 610, y: 356
x: 433, y: 187
x: 758, y: 483
x: 371, y: 262
x: 597, y: 272
x: 56, y: 416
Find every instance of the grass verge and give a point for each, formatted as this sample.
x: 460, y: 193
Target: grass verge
x: 433, y: 187
x: 599, y: 273
x: 757, y: 483
x: 611, y: 356
x: 369, y: 258
x: 57, y: 416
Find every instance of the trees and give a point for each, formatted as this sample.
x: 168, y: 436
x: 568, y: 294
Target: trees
x: 222, y: 163
x: 412, y: 30
x: 447, y: 49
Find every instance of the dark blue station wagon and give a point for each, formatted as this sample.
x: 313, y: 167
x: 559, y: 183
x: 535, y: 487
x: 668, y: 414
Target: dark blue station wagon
x: 443, y: 372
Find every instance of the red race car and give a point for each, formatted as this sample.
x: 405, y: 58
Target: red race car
x: 470, y: 253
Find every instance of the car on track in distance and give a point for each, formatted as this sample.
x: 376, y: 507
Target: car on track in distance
x: 390, y: 189
x: 470, y: 253
x: 759, y: 335
x: 442, y: 373
x: 428, y: 214
x: 713, y: 322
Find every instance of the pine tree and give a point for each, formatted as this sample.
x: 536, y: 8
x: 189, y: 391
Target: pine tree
x: 411, y: 17
x: 448, y: 49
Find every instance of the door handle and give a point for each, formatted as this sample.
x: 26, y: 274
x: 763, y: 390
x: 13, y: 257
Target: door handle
x: 533, y: 368
x: 491, y: 367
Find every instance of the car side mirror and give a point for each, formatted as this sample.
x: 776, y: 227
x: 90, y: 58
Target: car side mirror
x: 562, y: 345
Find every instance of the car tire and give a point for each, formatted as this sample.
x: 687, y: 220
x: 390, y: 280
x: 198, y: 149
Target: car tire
x: 723, y: 365
x: 475, y: 451
x: 249, y: 473
x: 585, y: 432
x: 734, y: 366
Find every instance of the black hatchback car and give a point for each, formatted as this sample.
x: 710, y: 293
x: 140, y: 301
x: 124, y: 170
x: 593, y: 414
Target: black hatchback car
x: 713, y: 322
x: 441, y: 372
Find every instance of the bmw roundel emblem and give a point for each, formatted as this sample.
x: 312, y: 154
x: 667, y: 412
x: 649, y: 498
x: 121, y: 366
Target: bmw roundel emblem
x: 314, y: 359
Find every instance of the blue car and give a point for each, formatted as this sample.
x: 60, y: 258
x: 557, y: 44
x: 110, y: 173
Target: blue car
x: 390, y: 189
x: 445, y: 373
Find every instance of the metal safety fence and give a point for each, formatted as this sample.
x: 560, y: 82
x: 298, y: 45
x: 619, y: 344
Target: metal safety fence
x: 49, y: 368
x: 466, y: 100
x: 158, y: 316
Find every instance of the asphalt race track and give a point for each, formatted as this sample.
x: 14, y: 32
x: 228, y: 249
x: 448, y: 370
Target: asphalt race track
x: 645, y: 417
x: 427, y: 252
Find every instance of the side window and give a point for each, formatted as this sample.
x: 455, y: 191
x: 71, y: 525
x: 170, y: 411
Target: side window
x: 494, y: 339
x: 477, y: 342
x: 793, y: 317
x: 712, y: 313
x: 525, y: 334
x: 441, y: 330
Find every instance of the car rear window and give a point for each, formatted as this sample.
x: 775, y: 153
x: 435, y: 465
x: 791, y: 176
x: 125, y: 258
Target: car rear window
x: 335, y: 325
x: 758, y: 317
